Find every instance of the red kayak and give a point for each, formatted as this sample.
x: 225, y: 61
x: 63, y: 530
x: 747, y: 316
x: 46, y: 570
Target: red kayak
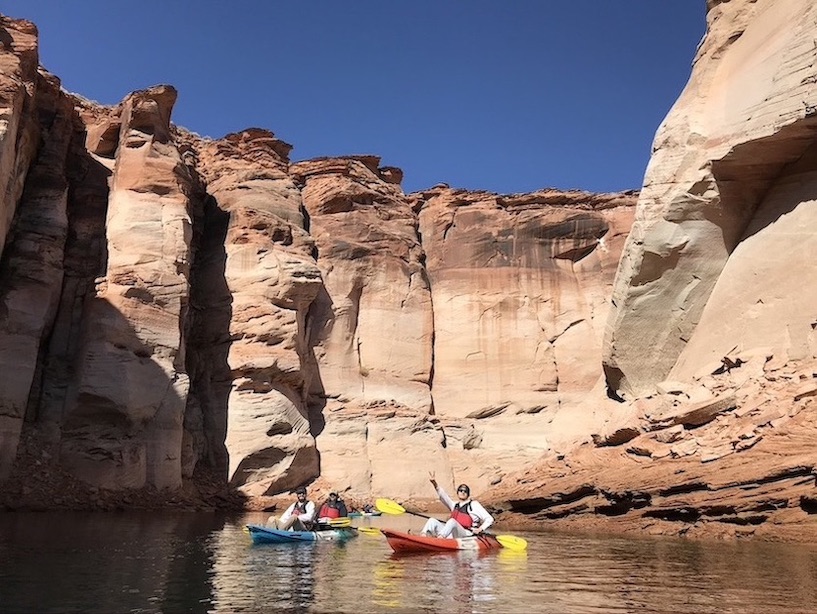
x: 408, y: 542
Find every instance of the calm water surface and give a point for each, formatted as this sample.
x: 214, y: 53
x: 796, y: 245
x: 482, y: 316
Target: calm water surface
x: 62, y: 562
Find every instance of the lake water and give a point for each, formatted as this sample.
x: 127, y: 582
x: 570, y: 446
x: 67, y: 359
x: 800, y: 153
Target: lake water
x: 139, y: 562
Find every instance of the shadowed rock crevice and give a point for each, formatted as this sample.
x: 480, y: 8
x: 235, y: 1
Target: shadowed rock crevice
x: 680, y: 489
x: 208, y: 342
x: 622, y: 503
x: 766, y: 161
x: 678, y: 514
x: 32, y: 263
x: 808, y: 505
x: 85, y: 261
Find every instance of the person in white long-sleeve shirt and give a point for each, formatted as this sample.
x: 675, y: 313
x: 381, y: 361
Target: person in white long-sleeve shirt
x: 298, y: 516
x: 468, y: 517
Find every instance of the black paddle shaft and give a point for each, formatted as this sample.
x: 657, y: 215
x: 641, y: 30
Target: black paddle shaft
x: 417, y: 514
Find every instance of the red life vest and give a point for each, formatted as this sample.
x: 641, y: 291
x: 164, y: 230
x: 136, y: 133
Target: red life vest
x: 327, y: 511
x: 461, y: 515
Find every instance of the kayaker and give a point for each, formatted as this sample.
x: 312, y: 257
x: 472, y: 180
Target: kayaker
x: 468, y: 517
x: 333, y: 508
x: 298, y: 516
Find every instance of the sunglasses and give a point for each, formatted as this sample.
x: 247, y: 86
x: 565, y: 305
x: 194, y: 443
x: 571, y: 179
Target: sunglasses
x: 461, y: 490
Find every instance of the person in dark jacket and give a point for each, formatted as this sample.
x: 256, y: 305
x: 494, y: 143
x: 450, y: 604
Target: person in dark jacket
x: 334, y: 507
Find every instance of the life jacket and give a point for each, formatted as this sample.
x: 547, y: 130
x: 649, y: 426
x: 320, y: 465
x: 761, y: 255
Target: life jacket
x: 461, y: 513
x: 327, y: 511
x: 300, y: 508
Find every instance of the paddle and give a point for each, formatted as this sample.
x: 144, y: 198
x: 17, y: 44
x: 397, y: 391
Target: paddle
x: 387, y: 506
x: 346, y: 523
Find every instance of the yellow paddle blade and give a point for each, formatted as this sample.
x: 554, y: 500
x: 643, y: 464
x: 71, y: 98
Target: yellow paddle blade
x: 340, y: 522
x: 512, y: 542
x: 387, y: 506
x: 246, y: 529
x: 368, y: 530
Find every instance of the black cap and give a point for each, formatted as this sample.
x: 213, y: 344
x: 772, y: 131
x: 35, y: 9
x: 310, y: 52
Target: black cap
x: 333, y: 493
x: 300, y: 490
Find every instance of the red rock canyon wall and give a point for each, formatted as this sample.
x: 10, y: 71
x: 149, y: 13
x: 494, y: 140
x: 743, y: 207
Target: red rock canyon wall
x: 172, y: 305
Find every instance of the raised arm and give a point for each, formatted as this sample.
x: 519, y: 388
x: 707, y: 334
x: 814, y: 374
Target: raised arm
x: 444, y: 498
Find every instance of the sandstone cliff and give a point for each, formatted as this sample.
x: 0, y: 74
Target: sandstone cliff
x: 178, y: 305
x: 180, y: 313
x: 711, y: 340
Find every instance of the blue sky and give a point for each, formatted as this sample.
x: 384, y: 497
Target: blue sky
x: 501, y: 95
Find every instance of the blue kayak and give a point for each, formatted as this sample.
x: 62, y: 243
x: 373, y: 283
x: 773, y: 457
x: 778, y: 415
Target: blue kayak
x: 265, y: 535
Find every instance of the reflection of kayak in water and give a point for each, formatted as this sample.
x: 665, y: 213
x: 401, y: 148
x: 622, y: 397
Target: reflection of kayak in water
x: 264, y: 535
x: 408, y: 542
x: 363, y: 514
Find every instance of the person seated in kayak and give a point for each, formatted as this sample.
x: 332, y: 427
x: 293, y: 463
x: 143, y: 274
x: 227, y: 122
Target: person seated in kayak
x: 333, y: 508
x: 468, y: 517
x: 298, y: 516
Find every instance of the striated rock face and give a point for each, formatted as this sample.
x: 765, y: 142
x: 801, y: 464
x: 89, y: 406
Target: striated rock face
x: 179, y: 311
x: 31, y: 269
x: 711, y: 338
x: 204, y: 305
x: 177, y: 305
x: 728, y: 181
x: 19, y: 128
x: 122, y: 425
x: 174, y: 304
x: 727, y: 456
x: 372, y: 325
x: 269, y: 282
x: 521, y: 287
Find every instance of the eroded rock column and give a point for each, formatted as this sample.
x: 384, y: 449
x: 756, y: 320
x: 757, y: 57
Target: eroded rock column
x: 123, y: 427
x: 270, y: 273
x: 371, y: 326
x: 19, y: 128
x: 31, y: 269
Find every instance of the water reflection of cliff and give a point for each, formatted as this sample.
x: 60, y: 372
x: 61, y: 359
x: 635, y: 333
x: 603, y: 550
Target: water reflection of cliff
x: 262, y: 578
x: 198, y: 563
x: 451, y: 582
x: 83, y: 562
